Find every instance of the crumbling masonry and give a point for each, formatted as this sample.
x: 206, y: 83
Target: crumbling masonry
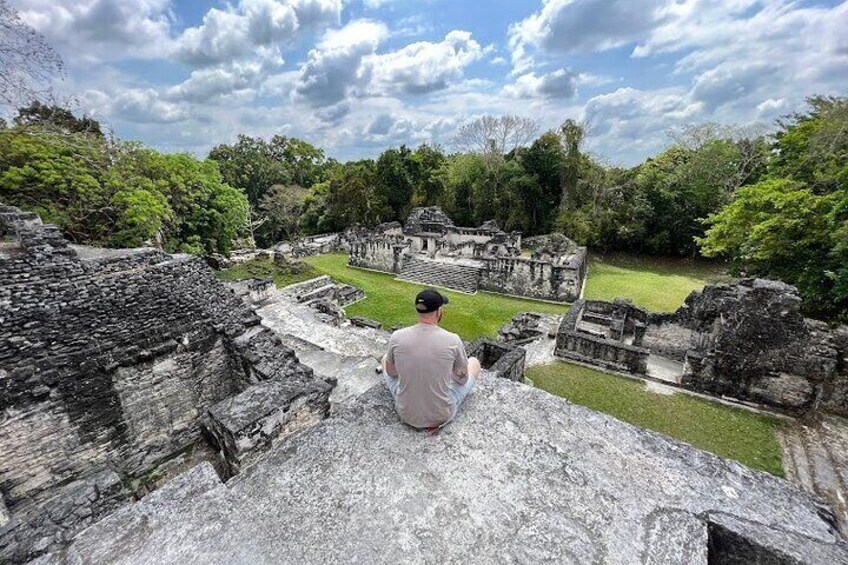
x: 430, y: 249
x: 746, y: 341
x: 110, y: 364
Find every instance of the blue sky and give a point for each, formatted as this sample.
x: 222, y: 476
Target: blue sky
x: 358, y: 76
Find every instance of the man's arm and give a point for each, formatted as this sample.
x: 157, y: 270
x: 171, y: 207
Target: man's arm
x: 460, y: 363
x: 389, y: 361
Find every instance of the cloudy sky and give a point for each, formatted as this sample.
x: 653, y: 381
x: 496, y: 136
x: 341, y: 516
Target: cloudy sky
x: 357, y: 76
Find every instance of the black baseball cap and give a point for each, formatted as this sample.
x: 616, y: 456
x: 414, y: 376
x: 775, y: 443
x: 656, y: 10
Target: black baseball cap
x: 429, y: 300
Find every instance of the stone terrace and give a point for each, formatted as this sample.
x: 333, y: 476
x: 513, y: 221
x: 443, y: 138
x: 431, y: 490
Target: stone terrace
x: 520, y: 477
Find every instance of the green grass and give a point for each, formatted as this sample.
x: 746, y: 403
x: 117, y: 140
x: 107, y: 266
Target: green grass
x: 658, y: 284
x: 723, y: 430
x: 390, y: 301
x: 265, y: 269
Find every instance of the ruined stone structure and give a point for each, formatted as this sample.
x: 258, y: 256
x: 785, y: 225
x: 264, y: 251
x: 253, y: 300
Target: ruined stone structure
x: 602, y: 333
x: 110, y: 364
x: 503, y: 360
x: 746, y: 341
x: 430, y: 249
x: 118, y: 368
x: 749, y: 341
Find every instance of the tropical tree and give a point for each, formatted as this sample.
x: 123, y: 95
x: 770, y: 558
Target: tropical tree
x: 281, y: 208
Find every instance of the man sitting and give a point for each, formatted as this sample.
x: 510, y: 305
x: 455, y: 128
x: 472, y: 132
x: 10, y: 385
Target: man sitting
x: 426, y: 368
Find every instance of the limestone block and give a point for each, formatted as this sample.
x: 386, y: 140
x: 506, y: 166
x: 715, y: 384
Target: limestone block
x: 520, y: 476
x: 737, y: 541
x: 361, y: 322
x: 35, y: 530
x: 790, y: 392
x: 505, y: 360
x: 674, y: 537
x: 245, y: 426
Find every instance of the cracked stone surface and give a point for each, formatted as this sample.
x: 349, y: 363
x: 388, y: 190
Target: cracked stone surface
x: 298, y: 320
x: 815, y: 456
x: 520, y: 476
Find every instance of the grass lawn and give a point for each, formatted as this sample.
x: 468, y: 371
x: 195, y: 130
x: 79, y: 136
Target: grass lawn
x: 658, y: 284
x: 264, y: 269
x: 726, y: 431
x: 390, y: 302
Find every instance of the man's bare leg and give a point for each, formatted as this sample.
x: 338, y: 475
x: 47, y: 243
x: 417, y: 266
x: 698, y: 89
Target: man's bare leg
x: 474, y: 367
x: 382, y: 367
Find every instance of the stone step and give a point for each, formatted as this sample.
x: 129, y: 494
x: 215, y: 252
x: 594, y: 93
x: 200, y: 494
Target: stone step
x: 324, y: 291
x: 464, y: 278
x: 815, y: 459
x: 354, y: 374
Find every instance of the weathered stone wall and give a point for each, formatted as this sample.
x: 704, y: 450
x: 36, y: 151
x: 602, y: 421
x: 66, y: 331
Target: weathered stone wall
x: 506, y: 360
x: 752, y: 343
x: 556, y: 274
x: 105, y: 365
x: 535, y: 279
x: 431, y: 220
x: 665, y: 337
x: 380, y: 253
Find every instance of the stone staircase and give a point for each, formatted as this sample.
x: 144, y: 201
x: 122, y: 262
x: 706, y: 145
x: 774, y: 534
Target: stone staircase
x: 463, y: 278
x: 815, y: 458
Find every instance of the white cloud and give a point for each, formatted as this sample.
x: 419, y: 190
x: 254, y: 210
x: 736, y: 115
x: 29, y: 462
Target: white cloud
x: 733, y: 61
x: 346, y: 64
x: 146, y: 106
x: 424, y: 67
x: 207, y: 84
x: 334, y: 68
x: 107, y: 30
x: 631, y: 123
x: 236, y: 32
x: 96, y: 30
x: 561, y: 83
x: 569, y: 26
x: 770, y: 106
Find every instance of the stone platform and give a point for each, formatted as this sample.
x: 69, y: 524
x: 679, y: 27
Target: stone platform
x: 520, y: 477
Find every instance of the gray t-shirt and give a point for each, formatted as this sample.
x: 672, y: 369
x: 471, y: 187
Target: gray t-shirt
x: 426, y: 358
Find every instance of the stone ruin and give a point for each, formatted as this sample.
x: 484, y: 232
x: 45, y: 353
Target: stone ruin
x: 119, y: 369
x: 504, y: 360
x: 324, y: 295
x: 746, y: 341
x: 608, y: 334
x: 431, y: 250
x: 122, y: 369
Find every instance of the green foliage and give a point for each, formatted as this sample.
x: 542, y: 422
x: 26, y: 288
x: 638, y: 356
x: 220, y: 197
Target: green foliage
x: 120, y: 194
x: 794, y: 225
x: 282, y: 209
x: 283, y: 275
x: 254, y: 165
x: 722, y: 430
x: 545, y: 160
x: 462, y: 176
x: 56, y: 118
x: 60, y: 178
